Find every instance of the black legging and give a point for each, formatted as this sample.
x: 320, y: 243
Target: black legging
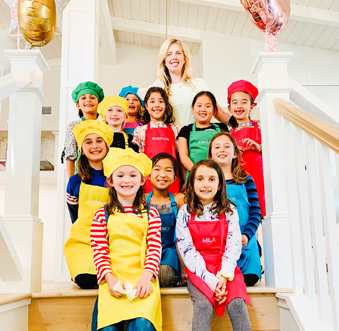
x: 251, y: 279
x: 87, y: 281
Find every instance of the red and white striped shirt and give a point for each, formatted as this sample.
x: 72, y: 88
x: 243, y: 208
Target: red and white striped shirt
x: 100, y: 244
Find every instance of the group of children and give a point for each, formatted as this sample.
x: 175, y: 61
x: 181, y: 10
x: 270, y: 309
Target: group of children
x: 134, y: 231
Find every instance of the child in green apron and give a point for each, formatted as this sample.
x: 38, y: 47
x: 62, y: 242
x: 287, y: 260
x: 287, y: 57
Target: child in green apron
x: 86, y: 96
x: 194, y: 138
x: 242, y: 191
x: 162, y: 176
x: 114, y: 111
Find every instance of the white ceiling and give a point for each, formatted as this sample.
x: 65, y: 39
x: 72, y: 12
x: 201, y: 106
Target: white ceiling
x: 313, y: 23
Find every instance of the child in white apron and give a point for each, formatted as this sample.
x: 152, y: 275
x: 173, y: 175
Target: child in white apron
x: 126, y: 245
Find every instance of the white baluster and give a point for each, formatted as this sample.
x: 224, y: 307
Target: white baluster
x: 330, y: 227
x: 306, y: 239
x: 317, y: 231
x: 293, y: 208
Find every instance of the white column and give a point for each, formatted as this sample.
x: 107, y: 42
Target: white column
x: 79, y: 63
x: 271, y: 69
x: 23, y: 170
x: 56, y: 150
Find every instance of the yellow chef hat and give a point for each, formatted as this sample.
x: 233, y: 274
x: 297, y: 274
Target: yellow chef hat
x: 111, y: 101
x: 118, y: 157
x: 93, y: 126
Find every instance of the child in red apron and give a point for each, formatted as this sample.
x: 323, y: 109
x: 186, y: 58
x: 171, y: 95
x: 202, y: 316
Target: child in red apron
x: 113, y: 111
x: 159, y: 134
x: 209, y: 242
x: 126, y: 244
x: 247, y: 134
x: 242, y: 192
x: 162, y: 177
x: 135, y: 108
x: 194, y: 138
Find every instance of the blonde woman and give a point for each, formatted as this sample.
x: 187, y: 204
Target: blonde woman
x: 174, y: 72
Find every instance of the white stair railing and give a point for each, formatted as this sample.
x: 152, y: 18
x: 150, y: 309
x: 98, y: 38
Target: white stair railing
x: 20, y: 228
x: 310, y: 141
x: 301, y: 154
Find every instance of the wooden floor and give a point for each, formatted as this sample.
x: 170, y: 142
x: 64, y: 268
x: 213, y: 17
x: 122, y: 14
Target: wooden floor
x: 63, y: 307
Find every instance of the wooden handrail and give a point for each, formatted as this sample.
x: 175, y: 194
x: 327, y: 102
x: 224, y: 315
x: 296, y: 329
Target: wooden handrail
x: 325, y: 133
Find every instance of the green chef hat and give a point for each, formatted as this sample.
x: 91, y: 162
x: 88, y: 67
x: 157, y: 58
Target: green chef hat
x: 87, y: 88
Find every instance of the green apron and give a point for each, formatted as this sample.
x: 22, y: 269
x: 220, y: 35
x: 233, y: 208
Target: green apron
x: 198, y: 143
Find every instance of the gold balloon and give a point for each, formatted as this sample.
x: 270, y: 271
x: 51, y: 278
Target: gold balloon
x: 37, y: 21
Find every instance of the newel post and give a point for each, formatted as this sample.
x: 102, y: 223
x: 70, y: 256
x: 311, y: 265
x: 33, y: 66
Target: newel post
x: 271, y: 69
x: 21, y: 215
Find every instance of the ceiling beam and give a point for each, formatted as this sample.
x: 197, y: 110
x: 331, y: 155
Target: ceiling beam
x: 154, y: 29
x: 298, y: 13
x: 108, y: 46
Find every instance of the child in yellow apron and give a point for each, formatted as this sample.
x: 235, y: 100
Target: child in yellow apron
x: 85, y: 194
x: 114, y: 112
x: 126, y: 243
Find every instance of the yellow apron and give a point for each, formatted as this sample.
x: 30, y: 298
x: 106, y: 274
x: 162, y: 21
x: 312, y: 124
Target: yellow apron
x: 78, y: 251
x: 127, y: 247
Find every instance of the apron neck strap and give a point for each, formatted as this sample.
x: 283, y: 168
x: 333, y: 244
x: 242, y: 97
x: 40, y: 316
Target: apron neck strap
x: 193, y: 127
x: 173, y: 204
x: 144, y: 214
x: 126, y: 139
x: 222, y: 219
x: 149, y: 197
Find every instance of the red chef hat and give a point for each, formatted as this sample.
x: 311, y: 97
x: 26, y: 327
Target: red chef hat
x: 242, y: 86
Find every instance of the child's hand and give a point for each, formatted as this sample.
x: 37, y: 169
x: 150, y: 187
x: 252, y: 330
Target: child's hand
x: 143, y: 286
x: 184, y: 278
x: 111, y: 280
x: 220, y: 293
x: 244, y: 240
x: 252, y: 145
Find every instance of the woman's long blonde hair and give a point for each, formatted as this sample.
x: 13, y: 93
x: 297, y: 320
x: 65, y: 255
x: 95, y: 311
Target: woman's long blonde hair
x: 162, y: 70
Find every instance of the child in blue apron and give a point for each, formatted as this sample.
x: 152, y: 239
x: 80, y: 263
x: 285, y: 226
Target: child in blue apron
x: 242, y: 192
x: 162, y: 177
x: 135, y: 108
x: 194, y: 138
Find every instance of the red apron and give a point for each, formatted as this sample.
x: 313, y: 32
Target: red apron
x: 209, y: 239
x: 253, y: 160
x: 160, y: 140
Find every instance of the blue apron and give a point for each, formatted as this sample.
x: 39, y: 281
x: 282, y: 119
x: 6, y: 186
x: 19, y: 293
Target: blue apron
x: 249, y: 262
x: 169, y: 255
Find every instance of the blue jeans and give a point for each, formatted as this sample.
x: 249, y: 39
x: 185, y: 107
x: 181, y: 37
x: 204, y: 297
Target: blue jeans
x: 138, y: 324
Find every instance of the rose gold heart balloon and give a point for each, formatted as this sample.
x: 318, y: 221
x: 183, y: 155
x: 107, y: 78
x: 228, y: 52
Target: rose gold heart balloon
x: 270, y: 16
x: 37, y: 20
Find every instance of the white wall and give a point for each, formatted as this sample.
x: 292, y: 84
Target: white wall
x: 136, y: 66
x: 227, y: 58
x: 51, y: 90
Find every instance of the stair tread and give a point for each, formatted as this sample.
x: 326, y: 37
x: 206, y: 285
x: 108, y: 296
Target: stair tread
x: 7, y: 298
x: 68, y: 289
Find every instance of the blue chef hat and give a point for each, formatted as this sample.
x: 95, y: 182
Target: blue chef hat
x: 131, y: 90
